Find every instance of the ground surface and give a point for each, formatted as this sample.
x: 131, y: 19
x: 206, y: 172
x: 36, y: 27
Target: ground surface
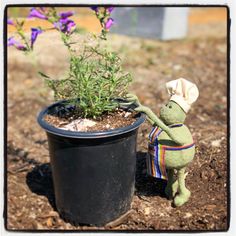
x: 200, y: 58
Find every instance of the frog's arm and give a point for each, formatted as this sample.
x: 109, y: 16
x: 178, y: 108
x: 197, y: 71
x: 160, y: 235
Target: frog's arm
x: 154, y: 120
x: 150, y: 121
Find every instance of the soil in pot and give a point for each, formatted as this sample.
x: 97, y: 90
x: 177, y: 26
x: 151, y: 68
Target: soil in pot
x: 108, y: 121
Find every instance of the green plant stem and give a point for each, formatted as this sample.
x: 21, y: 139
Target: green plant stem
x: 22, y: 35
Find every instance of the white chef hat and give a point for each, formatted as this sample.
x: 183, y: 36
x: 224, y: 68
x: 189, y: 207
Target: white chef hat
x: 183, y: 92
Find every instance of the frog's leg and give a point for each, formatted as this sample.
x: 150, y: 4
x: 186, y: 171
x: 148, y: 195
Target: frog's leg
x: 168, y: 189
x: 175, y: 187
x: 184, y: 193
x: 172, y: 184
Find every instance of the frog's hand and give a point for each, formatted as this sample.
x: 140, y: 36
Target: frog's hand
x: 128, y: 101
x: 125, y: 104
x: 128, y: 105
x: 132, y: 98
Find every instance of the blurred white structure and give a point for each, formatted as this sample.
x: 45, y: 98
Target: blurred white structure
x: 163, y: 23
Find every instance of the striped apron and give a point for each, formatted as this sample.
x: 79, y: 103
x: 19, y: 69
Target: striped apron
x: 156, y: 153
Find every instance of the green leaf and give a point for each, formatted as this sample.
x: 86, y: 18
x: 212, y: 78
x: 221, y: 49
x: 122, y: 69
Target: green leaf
x: 43, y: 75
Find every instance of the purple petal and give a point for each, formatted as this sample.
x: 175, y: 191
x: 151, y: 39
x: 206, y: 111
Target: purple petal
x: 64, y: 21
x: 109, y: 23
x: 34, y: 34
x: 21, y: 47
x: 70, y: 25
x: 37, y: 14
x: 109, y: 9
x: 11, y: 41
x: 10, y: 22
x: 94, y: 8
x: 64, y: 25
x: 67, y: 14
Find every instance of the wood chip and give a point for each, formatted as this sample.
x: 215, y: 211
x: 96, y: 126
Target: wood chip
x: 49, y: 222
x: 147, y: 210
x: 120, y: 220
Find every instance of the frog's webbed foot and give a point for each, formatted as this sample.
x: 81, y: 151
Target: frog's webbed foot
x: 182, y: 198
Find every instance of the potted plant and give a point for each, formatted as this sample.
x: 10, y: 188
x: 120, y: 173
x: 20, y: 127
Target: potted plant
x: 92, y: 141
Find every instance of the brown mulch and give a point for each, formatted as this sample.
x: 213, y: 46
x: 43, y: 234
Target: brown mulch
x: 30, y: 196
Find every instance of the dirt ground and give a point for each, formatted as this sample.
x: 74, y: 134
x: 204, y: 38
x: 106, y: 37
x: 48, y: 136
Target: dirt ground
x: 200, y: 58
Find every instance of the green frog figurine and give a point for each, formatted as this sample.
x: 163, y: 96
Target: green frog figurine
x: 171, y: 146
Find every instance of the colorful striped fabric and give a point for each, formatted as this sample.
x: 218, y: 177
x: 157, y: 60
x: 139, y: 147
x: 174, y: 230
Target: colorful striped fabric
x: 156, y: 158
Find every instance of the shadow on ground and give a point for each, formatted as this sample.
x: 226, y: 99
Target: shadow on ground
x: 39, y: 180
x: 146, y: 185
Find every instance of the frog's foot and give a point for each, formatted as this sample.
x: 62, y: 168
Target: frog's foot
x: 182, y: 198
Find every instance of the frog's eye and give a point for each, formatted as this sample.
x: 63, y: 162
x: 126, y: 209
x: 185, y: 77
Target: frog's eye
x: 170, y: 106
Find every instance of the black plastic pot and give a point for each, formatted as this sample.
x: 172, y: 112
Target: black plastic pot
x: 93, y: 172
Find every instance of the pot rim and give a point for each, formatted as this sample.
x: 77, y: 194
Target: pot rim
x: 85, y: 135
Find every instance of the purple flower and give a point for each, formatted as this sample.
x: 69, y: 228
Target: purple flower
x: 21, y: 47
x: 34, y: 34
x: 70, y: 25
x: 10, y: 22
x: 12, y: 42
x: 94, y: 8
x: 64, y: 15
x: 109, y: 23
x: 37, y: 14
x: 65, y: 25
x: 109, y: 9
